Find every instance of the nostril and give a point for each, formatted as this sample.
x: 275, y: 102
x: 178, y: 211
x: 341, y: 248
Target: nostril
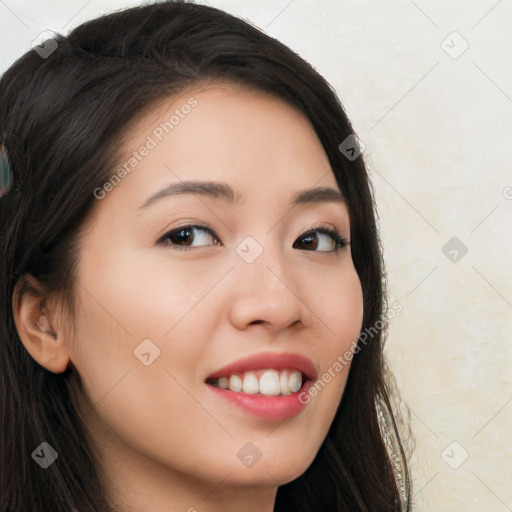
x: 257, y: 322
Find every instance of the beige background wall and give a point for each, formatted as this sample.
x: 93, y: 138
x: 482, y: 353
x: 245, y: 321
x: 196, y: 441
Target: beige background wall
x: 436, y: 120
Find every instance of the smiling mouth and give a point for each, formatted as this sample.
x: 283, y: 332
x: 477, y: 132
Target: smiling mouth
x: 269, y: 382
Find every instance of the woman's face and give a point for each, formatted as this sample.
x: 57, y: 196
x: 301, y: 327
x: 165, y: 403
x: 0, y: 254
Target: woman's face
x: 177, y: 288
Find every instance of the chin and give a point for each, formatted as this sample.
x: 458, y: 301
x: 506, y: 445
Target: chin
x: 272, y: 471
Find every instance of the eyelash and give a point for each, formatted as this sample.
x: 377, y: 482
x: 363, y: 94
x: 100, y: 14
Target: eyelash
x: 340, y: 242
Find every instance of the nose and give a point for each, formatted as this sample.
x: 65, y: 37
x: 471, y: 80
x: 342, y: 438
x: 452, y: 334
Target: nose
x: 268, y: 292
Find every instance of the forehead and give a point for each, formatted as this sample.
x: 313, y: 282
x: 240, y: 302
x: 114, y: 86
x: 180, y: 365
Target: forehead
x: 258, y: 143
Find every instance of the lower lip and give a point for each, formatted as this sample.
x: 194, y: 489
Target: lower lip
x: 273, y: 408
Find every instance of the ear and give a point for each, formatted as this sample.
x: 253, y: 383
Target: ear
x: 39, y: 324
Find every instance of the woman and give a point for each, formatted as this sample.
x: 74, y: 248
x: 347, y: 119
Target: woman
x: 191, y: 260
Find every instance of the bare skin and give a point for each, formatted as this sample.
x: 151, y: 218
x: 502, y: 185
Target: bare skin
x: 166, y: 441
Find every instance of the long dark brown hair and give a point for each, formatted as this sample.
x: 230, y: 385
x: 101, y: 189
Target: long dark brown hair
x: 63, y: 116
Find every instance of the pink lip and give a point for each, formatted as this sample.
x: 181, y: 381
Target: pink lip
x: 273, y: 408
x: 268, y: 360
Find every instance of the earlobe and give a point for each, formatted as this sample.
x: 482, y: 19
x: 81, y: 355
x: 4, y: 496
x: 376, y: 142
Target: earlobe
x: 34, y: 323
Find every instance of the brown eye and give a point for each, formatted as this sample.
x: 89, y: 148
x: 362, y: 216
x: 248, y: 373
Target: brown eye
x: 184, y: 236
x: 328, y: 241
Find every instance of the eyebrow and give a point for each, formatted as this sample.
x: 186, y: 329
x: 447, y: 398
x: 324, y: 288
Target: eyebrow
x: 223, y: 191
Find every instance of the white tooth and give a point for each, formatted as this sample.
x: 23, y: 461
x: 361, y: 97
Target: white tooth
x: 235, y: 383
x: 283, y: 383
x: 250, y: 383
x: 294, y: 381
x: 269, y: 383
x: 223, y: 382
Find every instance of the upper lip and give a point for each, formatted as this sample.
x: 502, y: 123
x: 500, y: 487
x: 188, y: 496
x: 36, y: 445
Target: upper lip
x: 269, y: 360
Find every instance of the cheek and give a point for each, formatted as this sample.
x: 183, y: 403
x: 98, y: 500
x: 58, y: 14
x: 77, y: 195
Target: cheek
x: 339, y: 307
x: 340, y: 311
x: 133, y: 310
x: 121, y: 311
x: 137, y: 297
